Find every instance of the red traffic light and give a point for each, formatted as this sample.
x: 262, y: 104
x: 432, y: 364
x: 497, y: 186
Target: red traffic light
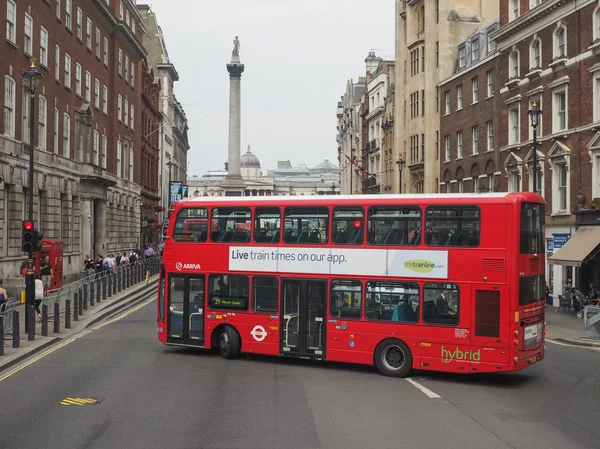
x: 28, y: 225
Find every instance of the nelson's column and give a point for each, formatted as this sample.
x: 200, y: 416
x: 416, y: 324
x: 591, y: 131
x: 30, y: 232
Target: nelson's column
x: 233, y: 184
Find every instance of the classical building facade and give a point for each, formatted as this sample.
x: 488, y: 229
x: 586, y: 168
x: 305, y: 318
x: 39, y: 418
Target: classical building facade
x: 173, y: 139
x: 468, y: 158
x: 349, y: 136
x: 427, y: 38
x: 150, y: 158
x: 549, y: 55
x: 87, y: 141
x: 323, y: 179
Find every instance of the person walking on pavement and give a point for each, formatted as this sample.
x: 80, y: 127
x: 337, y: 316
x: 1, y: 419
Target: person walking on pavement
x: 46, y: 272
x: 88, y: 265
x: 39, y: 296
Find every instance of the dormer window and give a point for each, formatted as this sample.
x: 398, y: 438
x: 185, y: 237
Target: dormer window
x: 514, y: 10
x: 475, y: 49
x: 462, y: 57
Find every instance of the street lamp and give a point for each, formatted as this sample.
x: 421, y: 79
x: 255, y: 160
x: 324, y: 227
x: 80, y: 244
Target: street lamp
x: 400, y: 163
x: 535, y: 114
x: 31, y: 79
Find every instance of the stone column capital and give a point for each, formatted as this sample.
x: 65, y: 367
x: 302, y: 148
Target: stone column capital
x: 235, y: 70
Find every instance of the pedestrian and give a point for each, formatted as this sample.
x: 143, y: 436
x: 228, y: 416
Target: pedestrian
x: 24, y: 268
x: 88, y: 265
x: 3, y: 294
x: 39, y: 295
x: 46, y: 272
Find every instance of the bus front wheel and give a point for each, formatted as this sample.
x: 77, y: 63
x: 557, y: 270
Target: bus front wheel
x: 393, y: 358
x: 229, y: 343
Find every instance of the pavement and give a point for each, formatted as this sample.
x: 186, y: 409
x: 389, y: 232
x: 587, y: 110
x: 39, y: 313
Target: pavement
x: 126, y: 298
x: 565, y: 327
x: 116, y: 386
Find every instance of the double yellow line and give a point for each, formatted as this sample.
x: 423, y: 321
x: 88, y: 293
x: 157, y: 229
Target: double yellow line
x: 68, y: 341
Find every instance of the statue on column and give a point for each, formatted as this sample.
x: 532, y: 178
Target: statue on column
x: 236, y: 47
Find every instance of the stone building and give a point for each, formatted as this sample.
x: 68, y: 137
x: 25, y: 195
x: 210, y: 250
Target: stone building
x: 469, y: 161
x: 87, y: 144
x: 323, y: 179
x: 349, y: 136
x: 150, y: 158
x: 427, y: 38
x: 549, y: 54
x: 173, y: 141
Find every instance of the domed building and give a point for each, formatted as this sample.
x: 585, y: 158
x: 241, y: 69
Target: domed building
x: 323, y: 179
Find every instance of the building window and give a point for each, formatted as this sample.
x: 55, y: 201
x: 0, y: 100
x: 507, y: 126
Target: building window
x: 96, y: 147
x: 560, y: 194
x: 127, y: 69
x: 490, y: 83
x: 67, y: 71
x: 11, y: 18
x: 437, y: 99
x: 514, y: 65
x: 97, y: 93
x: 127, y: 17
x: 119, y: 158
x: 513, y: 11
x: 414, y: 62
x: 131, y: 156
x: 422, y: 102
x: 44, y: 47
x: 121, y: 13
x: 56, y: 129
x: 560, y: 122
x: 423, y: 59
x: 133, y: 26
x: 57, y: 63
x: 104, y: 150
x: 9, y: 106
x: 535, y: 51
x: 475, y: 49
x: 475, y: 85
x: 126, y: 113
x: 132, y: 75
x: 106, y: 51
x: 132, y: 117
x: 88, y: 34
x: 462, y: 57
x: 491, y: 178
x: 437, y: 54
x: 78, y: 79
x: 447, y: 99
x: 437, y: 145
x: 596, y: 95
x: 28, y: 43
x: 514, y: 180
x: 476, y: 184
x: 69, y: 14
x: 120, y: 108
x: 88, y: 87
x: 514, y: 126
x: 26, y: 114
x: 459, y: 97
x: 58, y: 9
x: 490, y: 136
x: 448, y: 147
x: 66, y: 135
x: 414, y: 105
x: 105, y: 100
x: 596, y: 22
x: 98, y: 43
x: 79, y: 24
x: 414, y: 148
x: 560, y: 42
x: 459, y: 144
x: 475, y: 135
x: 120, y: 62
x: 540, y: 178
x: 42, y: 121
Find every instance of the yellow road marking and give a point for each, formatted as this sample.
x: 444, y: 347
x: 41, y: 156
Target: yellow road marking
x: 593, y: 348
x: 70, y: 340
x: 78, y: 401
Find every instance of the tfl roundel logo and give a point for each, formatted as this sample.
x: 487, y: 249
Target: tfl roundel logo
x: 179, y: 266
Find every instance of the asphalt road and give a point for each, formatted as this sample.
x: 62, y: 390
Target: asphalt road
x: 152, y: 396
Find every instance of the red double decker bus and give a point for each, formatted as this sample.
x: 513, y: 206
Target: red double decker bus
x: 431, y: 282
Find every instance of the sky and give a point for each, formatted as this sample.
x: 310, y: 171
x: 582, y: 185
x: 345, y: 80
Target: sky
x: 298, y: 56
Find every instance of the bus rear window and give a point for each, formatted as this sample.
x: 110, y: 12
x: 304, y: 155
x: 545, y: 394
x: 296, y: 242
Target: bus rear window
x: 532, y: 228
x: 307, y: 225
x: 452, y: 226
x: 395, y: 226
x: 191, y: 225
x: 231, y: 224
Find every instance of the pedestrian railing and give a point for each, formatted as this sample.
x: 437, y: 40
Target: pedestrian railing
x: 67, y: 304
x: 591, y: 321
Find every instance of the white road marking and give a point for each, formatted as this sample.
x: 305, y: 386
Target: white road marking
x: 427, y: 391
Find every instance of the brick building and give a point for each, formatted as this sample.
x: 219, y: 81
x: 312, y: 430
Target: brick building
x: 86, y: 184
x: 548, y: 53
x: 150, y: 157
x: 468, y: 160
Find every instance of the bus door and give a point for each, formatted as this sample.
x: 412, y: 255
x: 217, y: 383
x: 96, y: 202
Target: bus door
x: 490, y: 339
x: 185, y: 323
x: 303, y: 317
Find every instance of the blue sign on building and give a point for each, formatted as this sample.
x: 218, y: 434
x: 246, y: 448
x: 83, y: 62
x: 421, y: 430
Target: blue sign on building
x: 560, y: 240
x: 549, y: 245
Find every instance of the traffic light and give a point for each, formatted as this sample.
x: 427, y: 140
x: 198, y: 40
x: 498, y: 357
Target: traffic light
x: 37, y: 240
x: 27, y: 236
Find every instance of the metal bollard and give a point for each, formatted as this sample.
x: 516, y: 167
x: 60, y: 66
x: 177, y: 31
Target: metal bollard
x: 109, y: 281
x: 80, y: 304
x: 31, y: 325
x: 128, y: 276
x: 85, y: 297
x: 119, y: 280
x: 16, y: 340
x: 45, y: 320
x: 75, y: 307
x: 68, y: 314
x: 104, y: 288
x: 56, y: 317
x: 92, y: 291
x: 98, y: 291
x: 2, y: 334
x: 114, y: 281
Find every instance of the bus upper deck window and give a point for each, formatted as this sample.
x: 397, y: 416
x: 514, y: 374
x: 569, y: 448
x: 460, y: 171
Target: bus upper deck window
x: 191, y: 225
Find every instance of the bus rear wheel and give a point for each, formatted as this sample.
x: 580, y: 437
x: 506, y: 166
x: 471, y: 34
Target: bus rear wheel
x: 229, y: 343
x: 393, y: 358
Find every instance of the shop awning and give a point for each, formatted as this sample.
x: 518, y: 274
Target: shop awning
x: 578, y: 247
